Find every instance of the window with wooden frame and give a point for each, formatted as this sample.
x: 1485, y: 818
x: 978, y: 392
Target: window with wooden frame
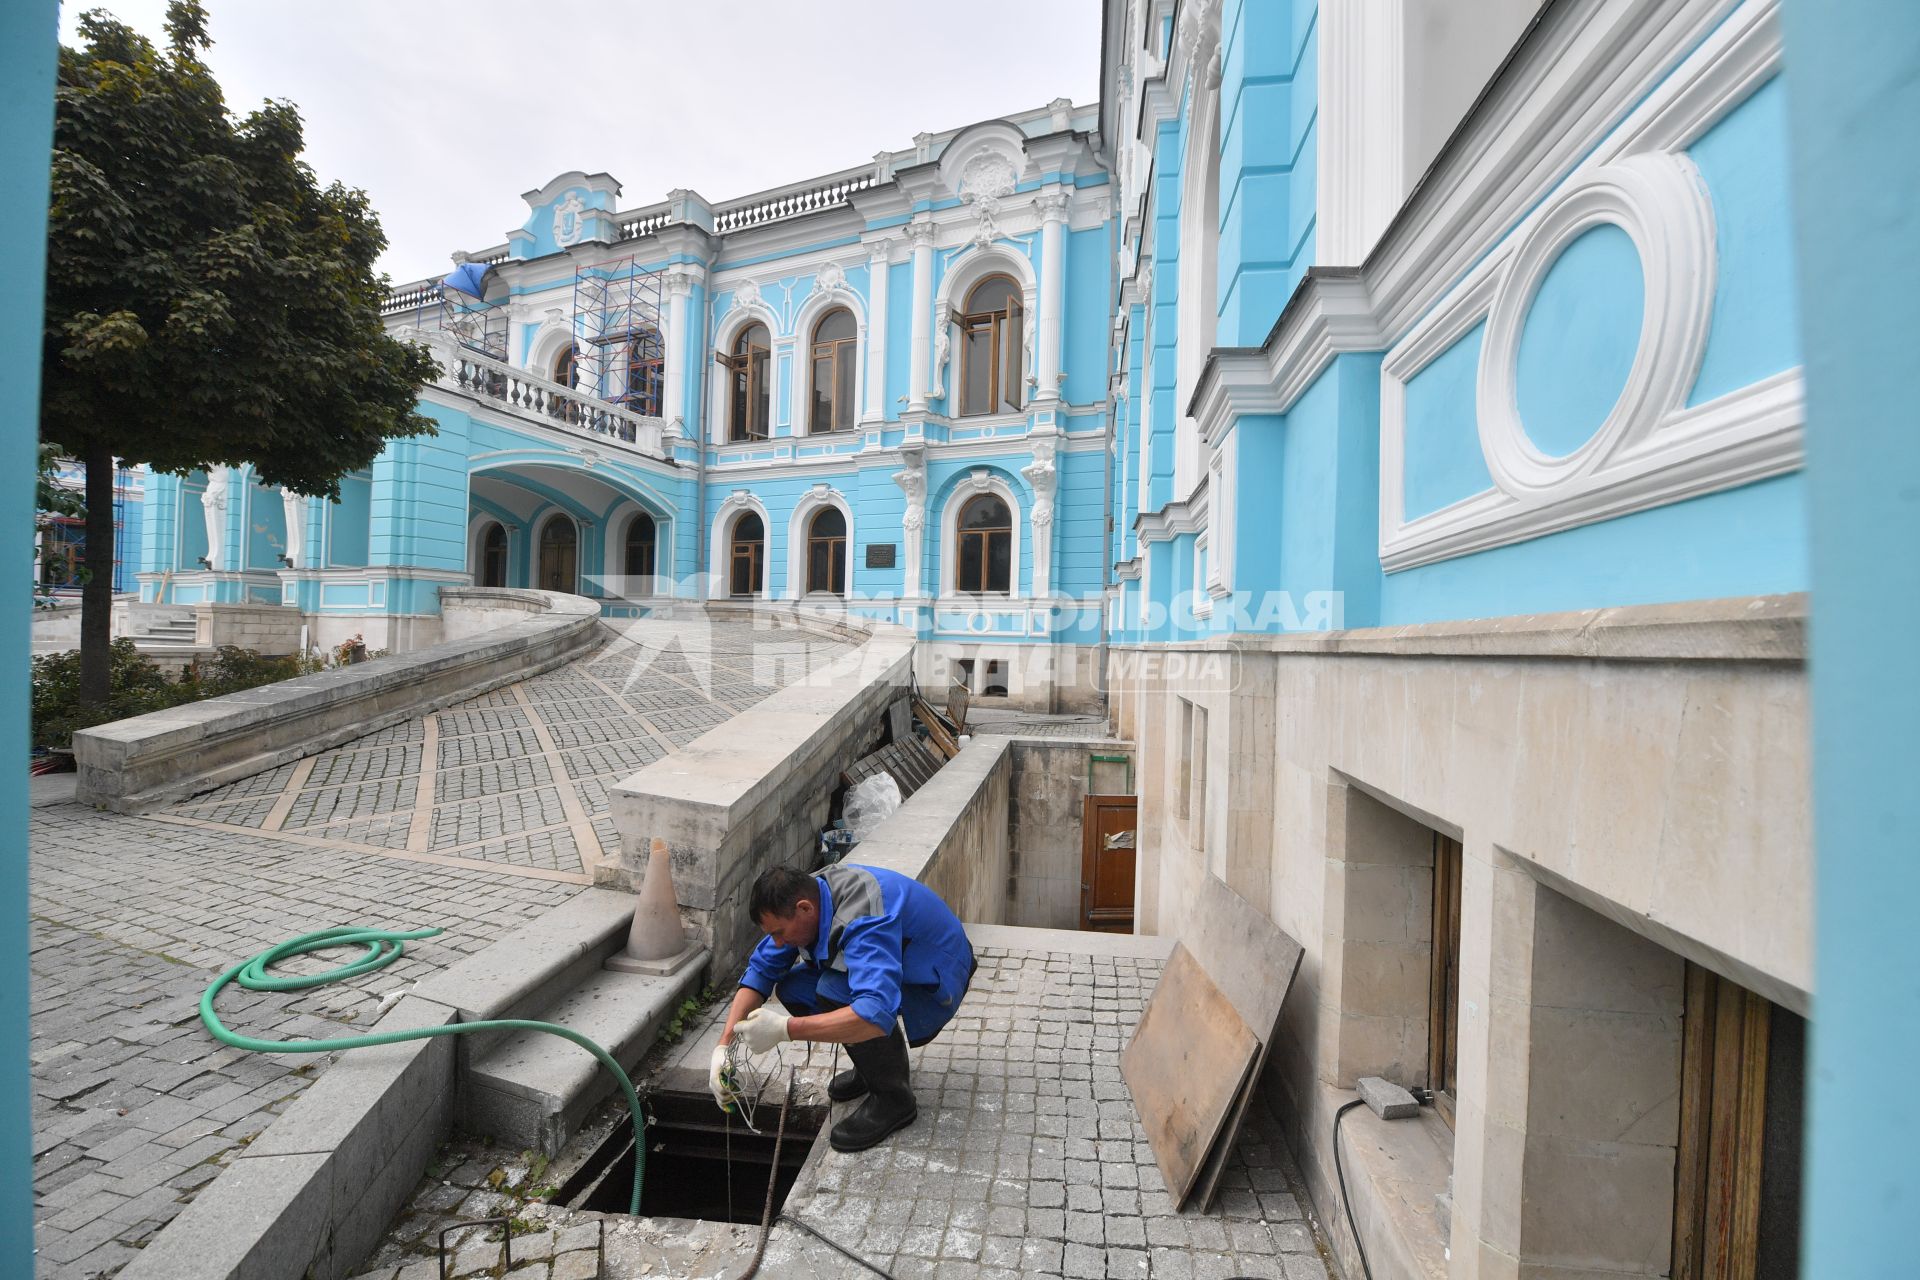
x: 747, y: 561
x: 827, y: 552
x: 642, y: 541
x: 566, y: 367
x: 1443, y: 984
x: 749, y: 369
x: 1736, y: 1204
x: 831, y: 407
x: 646, y: 373
x: 985, y: 534
x: 991, y: 338
x: 493, y: 557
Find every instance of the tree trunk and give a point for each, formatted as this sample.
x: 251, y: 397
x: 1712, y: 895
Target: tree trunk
x: 96, y: 594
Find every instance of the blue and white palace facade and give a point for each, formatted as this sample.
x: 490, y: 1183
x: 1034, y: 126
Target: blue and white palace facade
x: 884, y: 389
x: 1391, y: 414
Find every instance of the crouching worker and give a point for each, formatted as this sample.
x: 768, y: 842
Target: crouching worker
x: 857, y: 954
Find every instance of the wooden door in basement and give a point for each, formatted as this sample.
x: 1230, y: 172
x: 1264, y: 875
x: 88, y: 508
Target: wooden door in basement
x: 1107, y: 827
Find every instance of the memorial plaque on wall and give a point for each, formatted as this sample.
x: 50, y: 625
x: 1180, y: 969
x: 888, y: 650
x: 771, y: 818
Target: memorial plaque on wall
x: 880, y: 555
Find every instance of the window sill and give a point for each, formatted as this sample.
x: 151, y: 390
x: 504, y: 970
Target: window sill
x: 1395, y: 1171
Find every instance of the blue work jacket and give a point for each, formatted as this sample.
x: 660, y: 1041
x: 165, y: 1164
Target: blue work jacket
x: 902, y: 951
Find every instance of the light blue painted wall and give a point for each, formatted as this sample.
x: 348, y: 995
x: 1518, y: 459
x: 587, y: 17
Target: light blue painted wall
x: 899, y: 336
x: 1329, y: 493
x: 1756, y: 305
x: 1443, y: 461
x: 1745, y: 541
x: 1268, y: 127
x: 1856, y: 96
x: 1579, y: 340
x: 347, y: 523
x: 419, y: 504
x: 266, y: 531
x: 1089, y: 312
x: 27, y: 51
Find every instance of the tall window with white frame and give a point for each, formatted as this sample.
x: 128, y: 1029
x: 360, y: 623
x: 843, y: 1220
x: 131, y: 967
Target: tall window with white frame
x: 831, y: 406
x: 749, y: 369
x: 827, y: 552
x: 991, y: 333
x: 747, y: 556
x: 984, y: 531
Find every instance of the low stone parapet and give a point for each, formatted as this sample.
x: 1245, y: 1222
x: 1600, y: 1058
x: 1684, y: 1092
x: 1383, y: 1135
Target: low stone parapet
x: 755, y: 791
x: 954, y: 835
x: 139, y: 763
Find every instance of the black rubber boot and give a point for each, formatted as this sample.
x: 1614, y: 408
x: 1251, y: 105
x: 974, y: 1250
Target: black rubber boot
x: 847, y: 1086
x: 882, y: 1064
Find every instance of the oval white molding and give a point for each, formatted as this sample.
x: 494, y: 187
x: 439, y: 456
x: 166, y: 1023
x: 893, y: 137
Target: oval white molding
x: 1661, y: 203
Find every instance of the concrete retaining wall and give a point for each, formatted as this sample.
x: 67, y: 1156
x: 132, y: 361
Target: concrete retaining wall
x: 1049, y: 792
x: 951, y: 835
x: 139, y: 763
x: 755, y: 791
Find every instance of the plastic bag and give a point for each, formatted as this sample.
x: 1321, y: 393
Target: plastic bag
x: 868, y: 804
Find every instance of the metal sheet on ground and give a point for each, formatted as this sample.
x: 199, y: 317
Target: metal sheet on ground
x: 1187, y: 1064
x: 1254, y: 962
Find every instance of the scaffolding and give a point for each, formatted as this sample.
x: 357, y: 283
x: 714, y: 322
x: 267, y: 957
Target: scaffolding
x: 474, y: 323
x: 619, y: 353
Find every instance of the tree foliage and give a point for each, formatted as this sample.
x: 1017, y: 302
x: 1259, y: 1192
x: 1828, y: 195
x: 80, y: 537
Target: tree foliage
x: 207, y: 300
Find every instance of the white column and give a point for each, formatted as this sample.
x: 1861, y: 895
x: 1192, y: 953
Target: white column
x: 1362, y: 134
x: 877, y: 274
x: 673, y: 396
x: 1053, y: 282
x: 921, y: 234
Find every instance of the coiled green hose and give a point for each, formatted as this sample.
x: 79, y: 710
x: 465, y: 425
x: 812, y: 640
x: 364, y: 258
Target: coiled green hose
x: 384, y: 946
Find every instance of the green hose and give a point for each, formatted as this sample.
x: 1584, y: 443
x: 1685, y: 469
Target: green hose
x: 384, y: 946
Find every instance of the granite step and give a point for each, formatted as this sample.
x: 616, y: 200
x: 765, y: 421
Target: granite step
x: 533, y: 1089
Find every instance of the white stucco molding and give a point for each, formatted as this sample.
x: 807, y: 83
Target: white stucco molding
x: 1651, y: 449
x: 830, y: 291
x: 978, y: 481
x: 968, y: 268
x: 720, y: 545
x: 1176, y: 518
x: 808, y: 505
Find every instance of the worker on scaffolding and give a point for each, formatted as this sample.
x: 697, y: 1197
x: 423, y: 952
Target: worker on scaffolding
x: 862, y: 957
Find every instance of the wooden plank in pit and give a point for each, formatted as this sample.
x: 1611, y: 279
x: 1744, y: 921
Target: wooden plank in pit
x: 1187, y: 1064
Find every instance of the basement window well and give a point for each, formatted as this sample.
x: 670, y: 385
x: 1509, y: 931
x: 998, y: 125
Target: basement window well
x: 697, y: 1166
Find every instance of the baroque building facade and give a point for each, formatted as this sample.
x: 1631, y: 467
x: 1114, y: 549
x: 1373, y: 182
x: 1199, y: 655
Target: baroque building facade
x: 1390, y: 414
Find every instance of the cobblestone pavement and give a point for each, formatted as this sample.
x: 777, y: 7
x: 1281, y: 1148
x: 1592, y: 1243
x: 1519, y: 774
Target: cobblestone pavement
x: 474, y: 819
x: 1026, y: 1160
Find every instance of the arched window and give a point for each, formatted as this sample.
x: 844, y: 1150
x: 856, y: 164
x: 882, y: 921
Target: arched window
x: 642, y: 544
x: 748, y: 370
x: 985, y: 533
x: 646, y: 373
x: 559, y: 554
x: 827, y: 552
x: 833, y: 343
x: 748, y: 558
x: 990, y: 347
x: 493, y: 557
x: 566, y: 367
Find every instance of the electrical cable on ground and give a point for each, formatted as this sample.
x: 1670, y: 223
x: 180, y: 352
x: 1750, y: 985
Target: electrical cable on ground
x: 384, y: 946
x: 1340, y: 1172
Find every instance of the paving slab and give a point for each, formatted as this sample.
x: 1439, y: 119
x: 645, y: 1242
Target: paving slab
x: 476, y: 819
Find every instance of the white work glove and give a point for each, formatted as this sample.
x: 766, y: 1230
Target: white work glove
x: 716, y: 1079
x: 761, y: 1030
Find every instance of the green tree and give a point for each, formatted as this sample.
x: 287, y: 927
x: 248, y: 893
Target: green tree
x: 208, y: 302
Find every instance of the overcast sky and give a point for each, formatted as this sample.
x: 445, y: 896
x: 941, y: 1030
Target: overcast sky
x: 445, y: 112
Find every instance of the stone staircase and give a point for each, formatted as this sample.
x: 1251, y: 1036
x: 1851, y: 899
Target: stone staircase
x: 175, y: 633
x: 529, y: 1089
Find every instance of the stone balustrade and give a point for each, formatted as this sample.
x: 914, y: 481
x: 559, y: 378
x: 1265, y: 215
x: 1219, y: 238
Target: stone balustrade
x: 528, y: 394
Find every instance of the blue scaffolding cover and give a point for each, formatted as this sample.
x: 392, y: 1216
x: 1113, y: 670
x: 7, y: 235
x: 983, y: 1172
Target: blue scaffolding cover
x: 469, y: 278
